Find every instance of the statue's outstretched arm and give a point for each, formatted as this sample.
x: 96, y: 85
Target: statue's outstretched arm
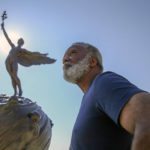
x: 6, y: 35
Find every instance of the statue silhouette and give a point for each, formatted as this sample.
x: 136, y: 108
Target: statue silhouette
x: 22, y: 56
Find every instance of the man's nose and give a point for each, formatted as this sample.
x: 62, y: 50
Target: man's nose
x: 67, y: 58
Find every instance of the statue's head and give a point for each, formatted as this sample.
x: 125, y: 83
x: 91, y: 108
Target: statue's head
x: 20, y: 41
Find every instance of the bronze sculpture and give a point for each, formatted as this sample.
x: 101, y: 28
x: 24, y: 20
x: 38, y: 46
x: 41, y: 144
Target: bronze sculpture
x: 22, y: 56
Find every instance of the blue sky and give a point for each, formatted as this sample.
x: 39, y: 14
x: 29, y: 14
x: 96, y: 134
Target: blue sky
x: 119, y: 29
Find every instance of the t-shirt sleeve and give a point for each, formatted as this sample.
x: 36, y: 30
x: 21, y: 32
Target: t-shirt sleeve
x: 113, y: 92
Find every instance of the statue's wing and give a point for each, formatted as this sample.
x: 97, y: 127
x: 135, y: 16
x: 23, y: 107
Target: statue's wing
x: 27, y: 58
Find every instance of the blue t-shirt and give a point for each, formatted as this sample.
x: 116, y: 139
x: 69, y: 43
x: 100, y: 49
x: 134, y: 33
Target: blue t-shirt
x: 97, y: 125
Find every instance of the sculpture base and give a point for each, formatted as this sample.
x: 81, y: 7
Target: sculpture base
x: 23, y: 125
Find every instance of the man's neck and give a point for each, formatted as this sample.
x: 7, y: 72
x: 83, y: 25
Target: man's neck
x: 87, y: 79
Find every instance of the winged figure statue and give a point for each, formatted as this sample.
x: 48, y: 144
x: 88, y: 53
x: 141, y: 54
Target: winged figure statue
x: 19, y: 55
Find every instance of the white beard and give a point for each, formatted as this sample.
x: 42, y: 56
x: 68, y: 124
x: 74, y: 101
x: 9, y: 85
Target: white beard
x: 76, y: 71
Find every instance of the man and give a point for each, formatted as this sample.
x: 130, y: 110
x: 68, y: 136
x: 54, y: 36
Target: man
x: 114, y: 113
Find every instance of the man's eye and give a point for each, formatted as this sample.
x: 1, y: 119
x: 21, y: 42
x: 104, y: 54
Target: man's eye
x: 74, y: 52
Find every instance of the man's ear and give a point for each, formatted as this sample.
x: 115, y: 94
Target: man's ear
x: 93, y: 61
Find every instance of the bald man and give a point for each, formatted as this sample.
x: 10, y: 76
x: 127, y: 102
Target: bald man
x: 114, y: 113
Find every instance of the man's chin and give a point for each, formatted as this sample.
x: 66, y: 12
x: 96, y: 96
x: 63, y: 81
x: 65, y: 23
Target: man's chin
x: 70, y: 79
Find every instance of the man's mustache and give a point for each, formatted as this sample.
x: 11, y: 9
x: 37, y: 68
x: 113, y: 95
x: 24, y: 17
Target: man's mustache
x: 66, y: 65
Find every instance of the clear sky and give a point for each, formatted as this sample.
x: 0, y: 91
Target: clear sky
x: 119, y: 29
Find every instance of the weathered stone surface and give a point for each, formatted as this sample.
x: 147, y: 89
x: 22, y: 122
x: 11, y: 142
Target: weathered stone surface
x: 23, y: 125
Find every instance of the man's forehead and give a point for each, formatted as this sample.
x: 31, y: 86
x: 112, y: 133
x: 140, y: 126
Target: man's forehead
x: 79, y: 47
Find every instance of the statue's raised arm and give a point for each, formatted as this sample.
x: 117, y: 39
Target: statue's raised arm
x: 4, y: 16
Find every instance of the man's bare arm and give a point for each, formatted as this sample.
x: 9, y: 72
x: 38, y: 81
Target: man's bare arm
x: 135, y: 118
x: 6, y: 35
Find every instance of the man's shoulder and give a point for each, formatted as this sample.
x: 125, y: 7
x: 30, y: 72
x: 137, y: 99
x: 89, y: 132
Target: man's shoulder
x: 108, y: 76
x: 110, y: 80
